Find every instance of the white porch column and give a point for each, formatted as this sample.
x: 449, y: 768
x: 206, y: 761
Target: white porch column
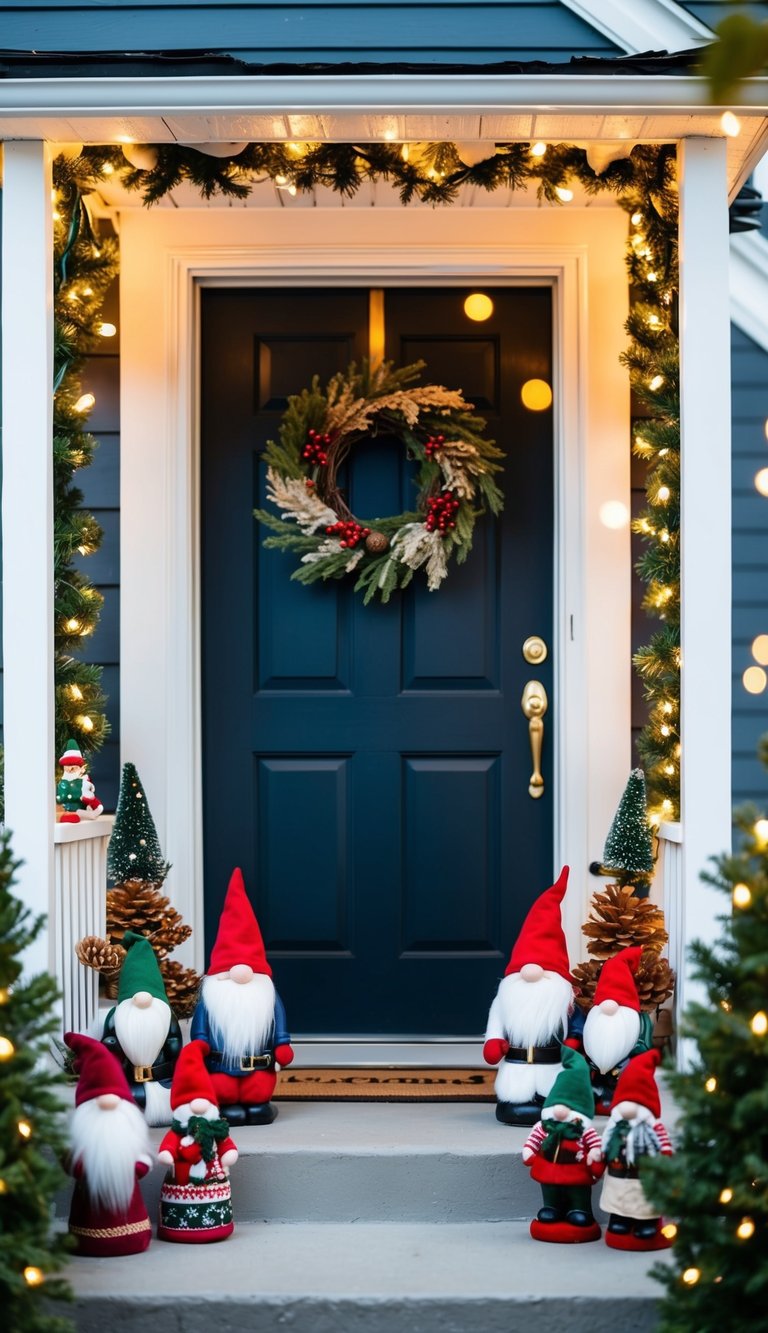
x: 27, y: 525
x: 705, y: 486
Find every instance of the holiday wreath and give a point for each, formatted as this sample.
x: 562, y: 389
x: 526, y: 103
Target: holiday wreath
x: 455, y: 479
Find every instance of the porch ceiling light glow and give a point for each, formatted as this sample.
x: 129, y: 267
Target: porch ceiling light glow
x: 754, y: 680
x: 760, y: 649
x: 536, y: 395
x: 761, y: 481
x: 730, y: 124
x: 107, y: 330
x: 478, y: 306
x: 538, y: 149
x: 614, y: 514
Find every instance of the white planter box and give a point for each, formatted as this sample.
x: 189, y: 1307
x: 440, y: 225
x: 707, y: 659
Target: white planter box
x: 79, y: 909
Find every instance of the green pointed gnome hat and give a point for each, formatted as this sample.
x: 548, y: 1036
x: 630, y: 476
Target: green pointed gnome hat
x: 140, y: 969
x: 572, y: 1087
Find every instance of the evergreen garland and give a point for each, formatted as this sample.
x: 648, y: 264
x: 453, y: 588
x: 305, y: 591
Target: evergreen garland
x: 644, y: 183
x: 84, y: 267
x: 32, y: 1138
x: 716, y: 1185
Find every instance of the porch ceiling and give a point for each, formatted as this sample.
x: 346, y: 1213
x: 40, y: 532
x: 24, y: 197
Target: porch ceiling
x: 398, y: 108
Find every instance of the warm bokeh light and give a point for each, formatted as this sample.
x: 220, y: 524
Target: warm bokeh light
x: 745, y: 1229
x: 478, y: 306
x: 7, y: 1048
x: 614, y: 514
x: 710, y: 1085
x: 33, y: 1276
x: 691, y: 1276
x: 760, y: 649
x: 759, y: 1024
x: 726, y: 1195
x: 536, y: 395
x: 754, y: 680
x: 761, y: 481
x: 761, y: 831
x: 538, y: 149
x: 107, y: 330
x: 730, y: 124
x: 742, y: 895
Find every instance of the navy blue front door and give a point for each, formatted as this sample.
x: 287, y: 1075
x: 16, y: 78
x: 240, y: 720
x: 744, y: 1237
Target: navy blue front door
x: 368, y: 767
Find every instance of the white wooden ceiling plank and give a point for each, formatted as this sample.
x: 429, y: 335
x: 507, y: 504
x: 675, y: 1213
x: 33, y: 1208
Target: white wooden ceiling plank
x: 565, y: 128
x: 240, y: 128
x: 436, y: 129
x: 622, y: 127
x: 509, y: 128
x: 113, y: 129
x: 29, y: 127
x: 305, y: 129
x: 347, y: 129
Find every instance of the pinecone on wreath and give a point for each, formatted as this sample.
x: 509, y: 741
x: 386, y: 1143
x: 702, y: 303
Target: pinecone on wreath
x: 619, y: 919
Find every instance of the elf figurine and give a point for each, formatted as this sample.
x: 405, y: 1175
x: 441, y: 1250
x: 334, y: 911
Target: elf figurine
x: 634, y: 1131
x: 142, y: 1030
x: 196, y: 1199
x: 241, y: 1016
x: 565, y: 1157
x: 110, y: 1153
x: 534, y: 1010
x: 615, y: 1029
x: 75, y: 791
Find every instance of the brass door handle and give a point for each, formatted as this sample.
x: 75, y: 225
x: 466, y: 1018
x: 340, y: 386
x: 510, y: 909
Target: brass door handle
x: 534, y: 705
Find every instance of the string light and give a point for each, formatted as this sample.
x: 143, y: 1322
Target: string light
x: 3, y: 1186
x: 85, y: 402
x: 5, y: 994
x: 745, y: 1229
x: 726, y: 1195
x: 711, y: 1085
x: 653, y: 321
x: 665, y: 730
x: 761, y: 831
x: 107, y: 169
x: 636, y: 219
x: 730, y: 124
x: 565, y: 196
x: 760, y: 649
x: 655, y: 383
x: 75, y: 692
x: 405, y: 152
x: 669, y: 1231
x: 761, y: 481
x: 691, y: 1276
x: 669, y: 769
x: 107, y: 330
x: 754, y: 680
x: 742, y: 895
x: 85, y: 722
x: 538, y: 149
x: 663, y: 494
x: 33, y: 1276
x: 72, y: 625
x: 24, y: 1128
x: 759, y: 1024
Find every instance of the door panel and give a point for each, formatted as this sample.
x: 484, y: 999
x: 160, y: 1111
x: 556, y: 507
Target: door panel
x: 368, y: 766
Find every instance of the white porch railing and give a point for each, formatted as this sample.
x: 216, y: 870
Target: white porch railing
x: 79, y: 908
x: 668, y: 892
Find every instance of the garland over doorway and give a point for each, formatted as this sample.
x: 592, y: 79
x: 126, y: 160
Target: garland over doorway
x: 644, y: 184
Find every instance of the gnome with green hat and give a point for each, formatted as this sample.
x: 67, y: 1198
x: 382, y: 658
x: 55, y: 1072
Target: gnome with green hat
x: 564, y: 1154
x: 142, y: 1031
x: 75, y: 792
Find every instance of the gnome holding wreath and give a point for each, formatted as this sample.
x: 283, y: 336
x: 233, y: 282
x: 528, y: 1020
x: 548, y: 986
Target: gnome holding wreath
x: 241, y: 1016
x: 634, y: 1132
x: 615, y: 1029
x: 142, y: 1030
x: 533, y: 1012
x: 110, y: 1152
x: 565, y: 1156
x: 196, y: 1200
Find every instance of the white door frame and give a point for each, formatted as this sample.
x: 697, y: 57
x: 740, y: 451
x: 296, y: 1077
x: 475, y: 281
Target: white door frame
x: 165, y: 258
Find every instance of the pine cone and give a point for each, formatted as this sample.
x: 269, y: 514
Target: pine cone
x: 619, y: 919
x: 182, y: 985
x: 654, y: 979
x: 100, y: 954
x: 138, y: 905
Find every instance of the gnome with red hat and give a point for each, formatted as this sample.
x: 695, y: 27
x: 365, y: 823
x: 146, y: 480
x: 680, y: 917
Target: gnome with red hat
x: 241, y: 1016
x: 196, y: 1200
x: 75, y: 791
x: 615, y: 1029
x: 634, y: 1132
x: 110, y: 1153
x: 532, y: 1013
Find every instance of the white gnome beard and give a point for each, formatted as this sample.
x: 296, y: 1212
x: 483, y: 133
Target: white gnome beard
x: 533, y: 1012
x: 142, y: 1032
x: 608, y: 1038
x: 157, y: 1103
x: 242, y: 1015
x: 107, y: 1145
x: 183, y: 1112
x: 570, y: 1118
x: 642, y: 1139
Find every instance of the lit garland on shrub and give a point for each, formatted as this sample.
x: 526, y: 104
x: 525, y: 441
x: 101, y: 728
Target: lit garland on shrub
x: 433, y: 173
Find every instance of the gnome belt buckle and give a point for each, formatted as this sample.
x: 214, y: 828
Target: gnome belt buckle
x: 250, y: 1062
x: 529, y: 1056
x: 143, y: 1073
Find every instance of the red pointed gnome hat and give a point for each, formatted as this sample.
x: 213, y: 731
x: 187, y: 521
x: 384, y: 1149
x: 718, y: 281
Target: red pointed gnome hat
x: 98, y: 1070
x: 617, y: 978
x: 239, y: 938
x: 637, y: 1082
x: 541, y: 939
x: 190, y: 1077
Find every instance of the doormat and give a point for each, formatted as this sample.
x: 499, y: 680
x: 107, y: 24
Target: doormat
x: 385, y: 1085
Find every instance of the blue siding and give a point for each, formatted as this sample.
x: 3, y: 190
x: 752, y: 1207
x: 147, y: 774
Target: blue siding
x: 713, y: 11
x: 314, y: 30
x: 750, y: 558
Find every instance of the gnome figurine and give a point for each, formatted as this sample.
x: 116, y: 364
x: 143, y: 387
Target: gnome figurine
x: 241, y: 1016
x: 109, y: 1155
x: 532, y: 1013
x: 615, y: 1029
x: 634, y: 1131
x: 564, y: 1154
x: 196, y: 1199
x: 75, y: 792
x: 142, y: 1031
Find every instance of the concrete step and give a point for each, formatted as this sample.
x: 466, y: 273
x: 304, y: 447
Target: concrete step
x: 370, y: 1278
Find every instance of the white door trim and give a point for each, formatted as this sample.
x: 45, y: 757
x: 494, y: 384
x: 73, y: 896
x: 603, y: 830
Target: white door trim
x: 643, y: 25
x: 165, y: 258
